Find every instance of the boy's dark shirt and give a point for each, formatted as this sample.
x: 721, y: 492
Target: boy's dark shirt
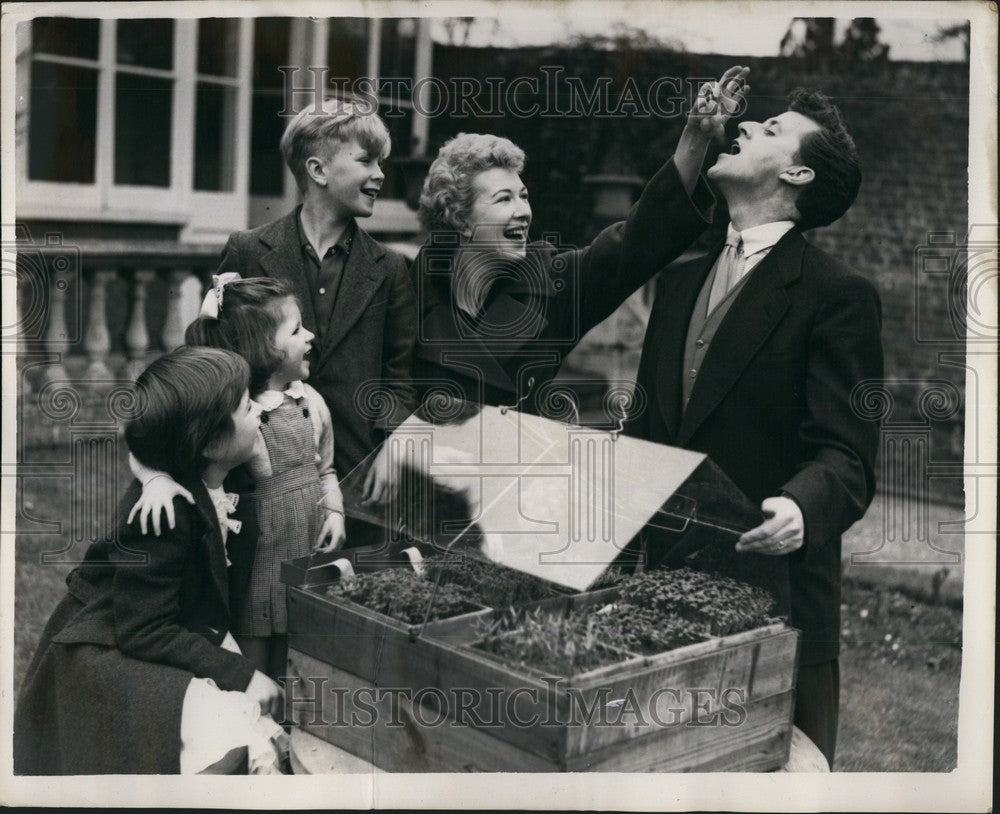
x: 325, y: 276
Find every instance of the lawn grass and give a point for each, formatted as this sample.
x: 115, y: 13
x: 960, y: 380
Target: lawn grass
x: 55, y: 494
x: 895, y: 718
x: 896, y: 715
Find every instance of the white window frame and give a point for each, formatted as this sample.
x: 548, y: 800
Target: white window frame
x: 214, y: 215
x: 301, y: 51
x: 202, y: 215
x: 308, y: 46
x: 392, y: 214
x: 51, y: 198
x: 162, y: 200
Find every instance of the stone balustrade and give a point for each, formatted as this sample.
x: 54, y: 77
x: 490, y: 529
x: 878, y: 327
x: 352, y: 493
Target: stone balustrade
x: 92, y: 305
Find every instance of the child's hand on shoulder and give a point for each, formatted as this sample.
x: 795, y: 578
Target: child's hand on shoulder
x: 331, y: 535
x: 158, y: 496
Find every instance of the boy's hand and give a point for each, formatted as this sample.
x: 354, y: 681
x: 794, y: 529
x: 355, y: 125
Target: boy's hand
x: 158, y: 496
x: 267, y: 693
x: 718, y: 101
x: 331, y: 535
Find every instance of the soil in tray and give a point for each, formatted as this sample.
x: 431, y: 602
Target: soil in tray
x: 656, y: 611
x: 550, y: 645
x: 402, y: 594
x: 493, y: 585
x: 641, y: 630
x: 717, y: 605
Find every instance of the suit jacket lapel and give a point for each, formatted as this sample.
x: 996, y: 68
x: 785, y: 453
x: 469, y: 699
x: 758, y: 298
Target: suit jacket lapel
x: 285, y: 260
x: 363, y: 274
x: 212, y: 540
x: 677, y: 299
x: 755, y: 313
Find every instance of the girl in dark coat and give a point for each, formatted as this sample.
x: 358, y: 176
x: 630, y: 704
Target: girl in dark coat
x: 136, y: 671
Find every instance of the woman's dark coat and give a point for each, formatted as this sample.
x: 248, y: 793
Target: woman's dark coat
x: 540, y: 307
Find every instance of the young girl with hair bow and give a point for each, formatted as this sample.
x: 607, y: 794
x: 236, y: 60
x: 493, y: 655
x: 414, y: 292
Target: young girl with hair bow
x: 297, y: 494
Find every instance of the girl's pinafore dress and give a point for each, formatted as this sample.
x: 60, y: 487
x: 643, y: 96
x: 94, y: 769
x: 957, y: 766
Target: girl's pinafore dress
x: 289, y: 514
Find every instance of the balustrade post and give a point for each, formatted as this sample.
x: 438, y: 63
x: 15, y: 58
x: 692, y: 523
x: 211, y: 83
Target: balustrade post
x: 56, y: 332
x: 174, y: 324
x: 97, y: 339
x: 137, y: 334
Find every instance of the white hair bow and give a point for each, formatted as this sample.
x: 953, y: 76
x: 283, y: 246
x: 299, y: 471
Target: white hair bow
x: 212, y: 304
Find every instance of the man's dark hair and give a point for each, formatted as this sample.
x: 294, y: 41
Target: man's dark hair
x: 830, y: 153
x: 248, y: 320
x: 185, y: 401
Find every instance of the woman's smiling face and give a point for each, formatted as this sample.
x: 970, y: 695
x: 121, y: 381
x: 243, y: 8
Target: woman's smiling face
x: 500, y: 213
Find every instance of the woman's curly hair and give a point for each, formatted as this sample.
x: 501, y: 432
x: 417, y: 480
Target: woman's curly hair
x: 448, y: 192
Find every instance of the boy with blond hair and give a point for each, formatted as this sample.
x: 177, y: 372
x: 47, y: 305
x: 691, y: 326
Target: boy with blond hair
x: 356, y: 294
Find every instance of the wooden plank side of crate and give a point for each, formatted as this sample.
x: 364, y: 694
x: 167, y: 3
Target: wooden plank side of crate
x: 352, y: 639
x: 649, y: 700
x: 386, y: 656
x: 772, y: 674
x: 392, y: 732
x: 674, y: 690
x: 416, y: 738
x: 760, y: 743
x: 383, y: 653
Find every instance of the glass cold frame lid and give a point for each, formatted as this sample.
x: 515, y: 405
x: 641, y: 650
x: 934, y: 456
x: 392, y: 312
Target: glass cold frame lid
x: 553, y: 500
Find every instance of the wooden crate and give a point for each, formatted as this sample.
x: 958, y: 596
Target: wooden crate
x: 407, y: 702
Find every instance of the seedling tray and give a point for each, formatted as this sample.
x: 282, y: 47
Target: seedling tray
x: 411, y: 699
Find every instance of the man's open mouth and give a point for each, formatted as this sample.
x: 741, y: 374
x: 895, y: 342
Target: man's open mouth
x: 735, y: 149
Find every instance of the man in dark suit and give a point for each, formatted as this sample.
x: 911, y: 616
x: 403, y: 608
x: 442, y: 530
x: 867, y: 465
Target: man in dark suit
x: 752, y: 354
x: 356, y: 295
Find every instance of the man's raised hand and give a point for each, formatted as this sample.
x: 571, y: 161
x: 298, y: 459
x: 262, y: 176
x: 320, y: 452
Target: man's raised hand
x: 718, y: 101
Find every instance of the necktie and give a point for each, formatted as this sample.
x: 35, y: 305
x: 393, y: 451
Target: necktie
x: 730, y: 269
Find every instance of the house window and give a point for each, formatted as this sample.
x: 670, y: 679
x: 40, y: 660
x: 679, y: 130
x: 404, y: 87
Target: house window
x: 178, y: 121
x: 347, y: 49
x: 63, y: 100
x: 397, y: 59
x: 272, y: 38
x: 215, y: 105
x: 135, y: 120
x: 144, y: 95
